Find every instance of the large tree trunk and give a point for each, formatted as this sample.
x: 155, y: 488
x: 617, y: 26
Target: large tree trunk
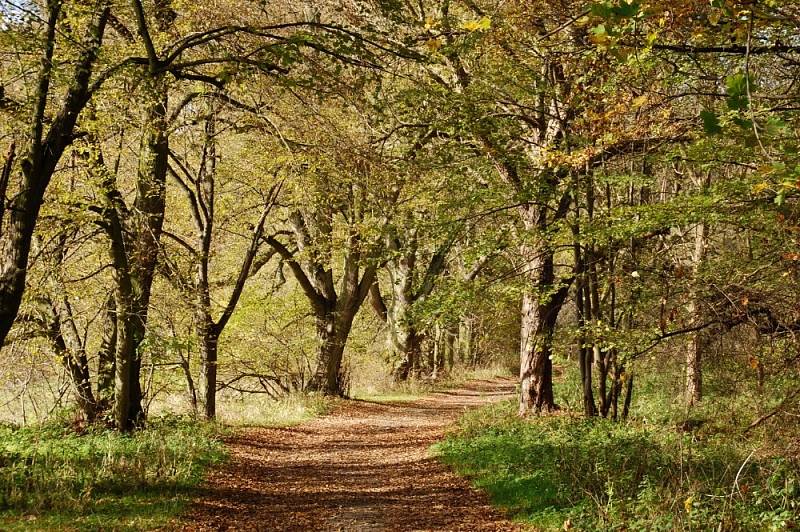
x: 535, y: 374
x: 332, y: 332
x: 15, y: 247
x: 538, y: 326
x: 402, y: 334
x: 147, y: 222
x: 125, y: 413
x: 404, y: 338
x: 409, y: 346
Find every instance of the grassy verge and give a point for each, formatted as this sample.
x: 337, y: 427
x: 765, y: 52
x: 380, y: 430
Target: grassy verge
x: 557, y: 472
x: 52, y: 478
x: 288, y: 411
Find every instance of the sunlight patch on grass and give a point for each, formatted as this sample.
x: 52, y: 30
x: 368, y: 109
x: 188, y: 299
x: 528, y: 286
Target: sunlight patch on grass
x: 53, y: 478
x: 600, y: 475
x: 256, y: 410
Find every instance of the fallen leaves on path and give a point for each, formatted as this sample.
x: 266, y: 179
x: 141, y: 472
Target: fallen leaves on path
x: 365, y: 467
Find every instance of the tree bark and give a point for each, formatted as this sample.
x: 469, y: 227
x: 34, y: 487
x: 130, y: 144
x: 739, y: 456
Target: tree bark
x: 538, y: 326
x: 410, y: 350
x: 332, y: 333
x: 450, y: 337
x: 583, y: 310
x: 402, y: 333
x: 209, y: 341
x: 699, y: 341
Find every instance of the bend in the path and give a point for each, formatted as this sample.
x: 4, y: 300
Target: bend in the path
x: 364, y: 467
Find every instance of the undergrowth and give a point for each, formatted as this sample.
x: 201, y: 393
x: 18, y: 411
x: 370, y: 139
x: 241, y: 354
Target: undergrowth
x: 291, y: 410
x: 591, y: 474
x: 52, y: 477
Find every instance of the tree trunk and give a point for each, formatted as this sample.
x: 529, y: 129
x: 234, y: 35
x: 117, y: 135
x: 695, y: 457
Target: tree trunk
x: 410, y: 350
x: 538, y: 327
x: 75, y: 358
x: 616, y: 388
x: 699, y: 341
x: 332, y: 333
x: 697, y: 345
x: 209, y: 341
x: 450, y: 336
x: 626, y: 407
x: 124, y: 414
x: 465, y: 342
x: 536, y: 393
x: 438, y: 352
x: 583, y: 310
x: 147, y: 222
x: 403, y: 335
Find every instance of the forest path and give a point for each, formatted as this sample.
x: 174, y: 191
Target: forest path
x: 365, y: 467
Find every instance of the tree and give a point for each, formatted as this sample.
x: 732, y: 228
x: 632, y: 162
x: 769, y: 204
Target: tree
x: 46, y: 139
x: 200, y: 189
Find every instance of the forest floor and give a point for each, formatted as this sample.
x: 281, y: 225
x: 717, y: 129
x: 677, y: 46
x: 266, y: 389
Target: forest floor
x: 364, y: 467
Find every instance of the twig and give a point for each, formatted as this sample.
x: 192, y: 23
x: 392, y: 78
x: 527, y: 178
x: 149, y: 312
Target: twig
x: 776, y: 411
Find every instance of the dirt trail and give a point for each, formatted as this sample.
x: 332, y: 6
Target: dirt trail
x: 365, y: 467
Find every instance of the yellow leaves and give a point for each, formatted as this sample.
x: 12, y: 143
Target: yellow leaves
x: 433, y: 44
x: 714, y: 17
x: 481, y: 24
x: 687, y: 504
x: 576, y: 159
x: 639, y: 101
x: 430, y: 23
x: 760, y: 187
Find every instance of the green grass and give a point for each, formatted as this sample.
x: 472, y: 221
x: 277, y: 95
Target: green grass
x: 52, y: 478
x: 599, y: 475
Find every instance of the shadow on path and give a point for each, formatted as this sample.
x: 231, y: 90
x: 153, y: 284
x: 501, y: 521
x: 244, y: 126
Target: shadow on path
x: 364, y: 467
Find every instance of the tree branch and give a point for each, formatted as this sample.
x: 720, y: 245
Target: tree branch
x: 244, y: 271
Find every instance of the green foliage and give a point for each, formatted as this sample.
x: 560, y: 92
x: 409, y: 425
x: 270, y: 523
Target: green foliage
x: 710, y: 122
x: 739, y: 87
x: 599, y: 475
x: 51, y: 474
